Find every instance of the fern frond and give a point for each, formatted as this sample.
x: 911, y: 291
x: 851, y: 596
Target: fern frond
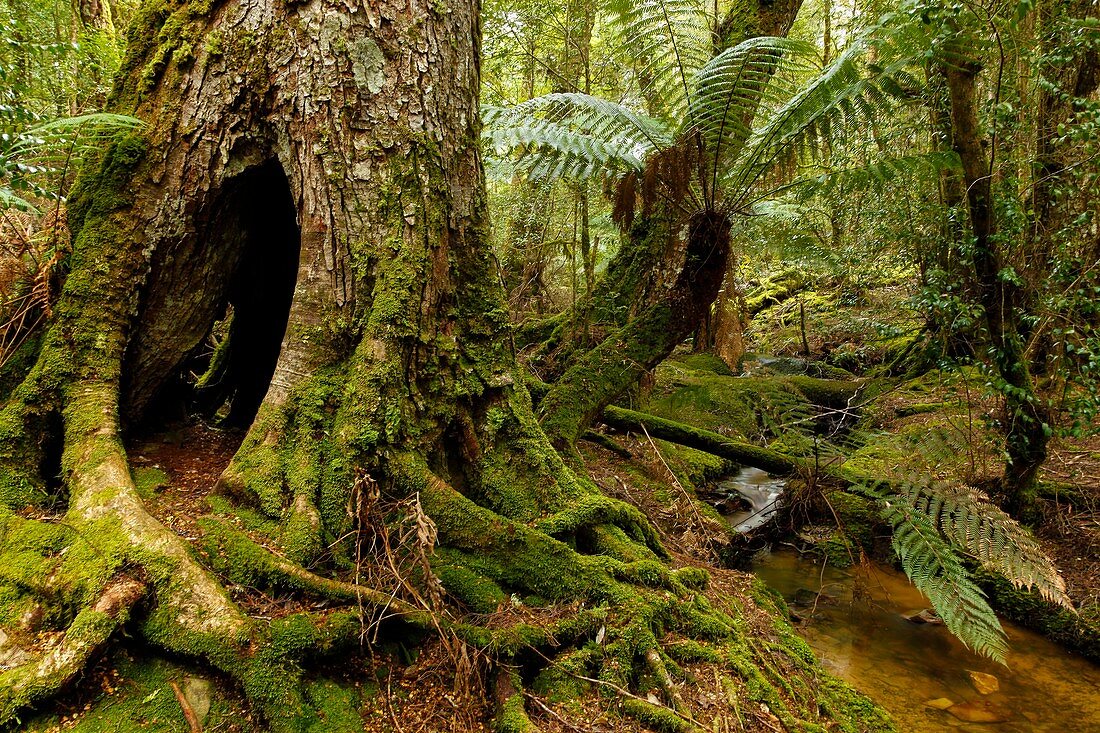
x: 30, y: 155
x: 672, y: 41
x: 875, y: 174
x: 49, y: 142
x: 573, y: 136
x: 846, y: 96
x: 731, y: 87
x: 936, y: 571
x: 984, y: 532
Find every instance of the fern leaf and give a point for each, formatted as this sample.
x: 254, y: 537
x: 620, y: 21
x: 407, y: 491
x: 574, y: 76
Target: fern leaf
x: 573, y: 136
x: 672, y: 41
x: 936, y: 571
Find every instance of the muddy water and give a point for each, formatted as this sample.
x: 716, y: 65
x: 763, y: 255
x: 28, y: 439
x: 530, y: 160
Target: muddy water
x: 856, y: 627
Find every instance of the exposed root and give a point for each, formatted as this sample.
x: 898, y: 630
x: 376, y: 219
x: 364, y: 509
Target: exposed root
x: 510, y: 715
x: 247, y: 562
x: 188, y: 711
x: 57, y: 666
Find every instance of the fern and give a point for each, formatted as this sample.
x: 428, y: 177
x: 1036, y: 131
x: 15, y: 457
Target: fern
x: 574, y: 136
x: 48, y: 147
x: 736, y: 83
x: 940, y: 526
x: 936, y: 571
x: 874, y: 174
x: 847, y: 95
x: 673, y: 41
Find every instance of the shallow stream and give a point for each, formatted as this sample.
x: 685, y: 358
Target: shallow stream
x: 759, y: 490
x: 854, y: 621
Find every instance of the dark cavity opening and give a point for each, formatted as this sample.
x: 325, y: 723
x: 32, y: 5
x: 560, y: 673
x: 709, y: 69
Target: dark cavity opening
x: 235, y: 363
x: 216, y: 318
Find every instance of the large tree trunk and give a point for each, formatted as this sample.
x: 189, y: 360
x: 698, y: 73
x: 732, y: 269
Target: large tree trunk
x: 316, y: 168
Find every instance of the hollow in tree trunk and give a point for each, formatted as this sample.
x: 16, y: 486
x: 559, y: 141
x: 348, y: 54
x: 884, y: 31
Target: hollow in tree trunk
x: 308, y: 186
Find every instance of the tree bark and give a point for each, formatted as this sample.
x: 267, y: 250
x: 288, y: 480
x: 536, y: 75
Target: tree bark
x: 1027, y: 428
x: 340, y: 144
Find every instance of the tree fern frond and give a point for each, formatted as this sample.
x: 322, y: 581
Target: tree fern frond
x: 846, y: 96
x: 573, y: 136
x: 61, y: 138
x: 983, y: 531
x: 875, y: 174
x: 936, y: 571
x: 672, y: 40
x: 731, y: 87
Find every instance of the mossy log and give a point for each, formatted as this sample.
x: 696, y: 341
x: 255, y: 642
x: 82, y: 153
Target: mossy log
x: 739, y: 452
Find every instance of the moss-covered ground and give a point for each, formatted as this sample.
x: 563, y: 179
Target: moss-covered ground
x: 749, y: 667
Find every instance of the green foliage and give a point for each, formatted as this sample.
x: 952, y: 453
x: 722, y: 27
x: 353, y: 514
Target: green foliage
x: 31, y: 157
x: 941, y: 530
x: 573, y: 135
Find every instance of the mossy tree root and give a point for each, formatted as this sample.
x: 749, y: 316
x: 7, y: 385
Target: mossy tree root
x: 56, y: 667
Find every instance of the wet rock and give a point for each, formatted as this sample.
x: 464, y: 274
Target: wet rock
x: 731, y: 504
x: 199, y: 693
x: 940, y: 703
x: 979, y: 711
x: 924, y: 616
x: 984, y: 683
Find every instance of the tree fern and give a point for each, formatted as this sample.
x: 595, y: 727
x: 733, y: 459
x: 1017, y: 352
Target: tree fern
x: 743, y: 109
x: 847, y: 95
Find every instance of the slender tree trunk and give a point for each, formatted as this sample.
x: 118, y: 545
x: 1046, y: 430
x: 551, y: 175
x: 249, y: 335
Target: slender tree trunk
x: 1027, y: 429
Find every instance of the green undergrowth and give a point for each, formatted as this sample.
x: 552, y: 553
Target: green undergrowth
x: 781, y: 412
x: 131, y: 690
x: 853, y: 323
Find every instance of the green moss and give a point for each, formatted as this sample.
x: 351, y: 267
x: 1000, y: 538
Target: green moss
x: 512, y: 717
x: 251, y: 520
x: 477, y: 592
x: 704, y: 363
x: 695, y: 469
x: 18, y: 364
x: 338, y: 707
x: 561, y: 682
x: 149, y: 481
x: 655, y: 717
x: 300, y: 538
x: 692, y: 577
x: 140, y: 697
x: 687, y: 651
